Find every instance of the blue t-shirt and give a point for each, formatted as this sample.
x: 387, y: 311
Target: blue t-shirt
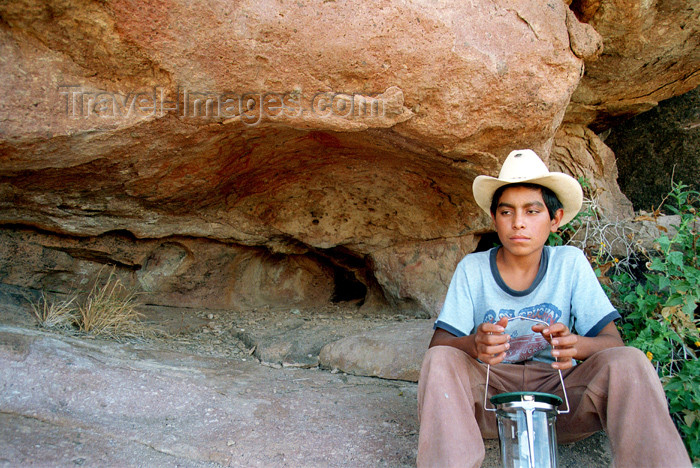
x: 565, y: 290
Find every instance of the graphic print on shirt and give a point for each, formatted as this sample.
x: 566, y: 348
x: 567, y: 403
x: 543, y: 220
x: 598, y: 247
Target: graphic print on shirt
x: 524, y: 343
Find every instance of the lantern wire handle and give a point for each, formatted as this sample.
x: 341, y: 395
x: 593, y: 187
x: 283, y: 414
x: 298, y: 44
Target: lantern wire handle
x: 486, y: 389
x: 561, y: 377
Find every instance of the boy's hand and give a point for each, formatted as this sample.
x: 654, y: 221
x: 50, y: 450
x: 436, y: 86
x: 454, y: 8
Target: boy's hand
x: 563, y: 343
x: 491, y: 342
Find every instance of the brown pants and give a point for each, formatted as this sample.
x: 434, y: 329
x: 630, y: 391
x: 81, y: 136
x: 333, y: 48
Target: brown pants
x: 616, y: 390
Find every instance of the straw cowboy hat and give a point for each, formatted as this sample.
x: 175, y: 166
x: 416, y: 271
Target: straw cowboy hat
x: 524, y: 166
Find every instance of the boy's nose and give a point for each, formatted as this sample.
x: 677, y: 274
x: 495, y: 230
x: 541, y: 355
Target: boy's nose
x: 518, y: 221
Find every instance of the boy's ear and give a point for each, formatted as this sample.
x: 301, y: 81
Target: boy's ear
x: 556, y: 221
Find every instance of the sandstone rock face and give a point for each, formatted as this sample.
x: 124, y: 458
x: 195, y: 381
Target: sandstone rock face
x: 276, y: 152
x: 179, y: 272
x: 420, y: 273
x: 651, y: 52
x: 577, y: 150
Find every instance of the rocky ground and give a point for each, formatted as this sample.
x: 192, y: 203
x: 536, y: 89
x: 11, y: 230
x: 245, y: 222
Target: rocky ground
x: 219, y: 389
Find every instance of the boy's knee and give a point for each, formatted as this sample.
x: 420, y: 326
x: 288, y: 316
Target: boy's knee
x: 627, y: 363
x: 440, y: 356
x: 441, y: 360
x: 623, y: 355
x: 633, y: 356
x: 443, y: 352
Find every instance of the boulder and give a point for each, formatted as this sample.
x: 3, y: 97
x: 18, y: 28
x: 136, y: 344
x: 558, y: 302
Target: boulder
x: 630, y: 237
x: 585, y: 40
x: 391, y: 351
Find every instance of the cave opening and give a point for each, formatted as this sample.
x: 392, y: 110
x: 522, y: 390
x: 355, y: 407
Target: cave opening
x: 351, y: 275
x: 347, y: 287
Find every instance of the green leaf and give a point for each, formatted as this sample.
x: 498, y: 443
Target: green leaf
x: 664, y: 242
x: 657, y: 264
x: 676, y: 258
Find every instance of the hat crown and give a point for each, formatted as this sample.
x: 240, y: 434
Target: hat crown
x: 522, y: 165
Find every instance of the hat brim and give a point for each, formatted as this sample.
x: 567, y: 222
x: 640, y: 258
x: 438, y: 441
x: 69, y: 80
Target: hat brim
x: 566, y: 188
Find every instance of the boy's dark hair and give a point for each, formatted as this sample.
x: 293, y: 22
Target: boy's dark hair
x: 550, y: 199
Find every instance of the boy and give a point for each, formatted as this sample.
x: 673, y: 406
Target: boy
x: 609, y: 386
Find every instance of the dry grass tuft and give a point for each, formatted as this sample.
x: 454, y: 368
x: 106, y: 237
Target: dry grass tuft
x: 50, y: 314
x: 110, y: 309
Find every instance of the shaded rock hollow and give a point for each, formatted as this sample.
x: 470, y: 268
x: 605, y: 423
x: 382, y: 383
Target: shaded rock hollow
x: 295, y: 152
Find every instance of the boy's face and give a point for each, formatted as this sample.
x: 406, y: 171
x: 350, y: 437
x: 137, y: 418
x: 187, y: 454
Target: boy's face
x: 522, y: 221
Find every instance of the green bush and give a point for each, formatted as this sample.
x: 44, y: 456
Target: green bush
x: 659, y: 309
x: 657, y: 294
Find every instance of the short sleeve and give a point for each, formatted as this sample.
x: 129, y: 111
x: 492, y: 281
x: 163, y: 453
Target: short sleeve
x: 457, y: 314
x: 590, y: 307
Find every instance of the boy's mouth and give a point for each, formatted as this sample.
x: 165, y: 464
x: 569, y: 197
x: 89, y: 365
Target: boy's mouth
x: 519, y: 238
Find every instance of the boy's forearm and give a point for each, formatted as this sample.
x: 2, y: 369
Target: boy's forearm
x: 463, y: 343
x: 587, y: 346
